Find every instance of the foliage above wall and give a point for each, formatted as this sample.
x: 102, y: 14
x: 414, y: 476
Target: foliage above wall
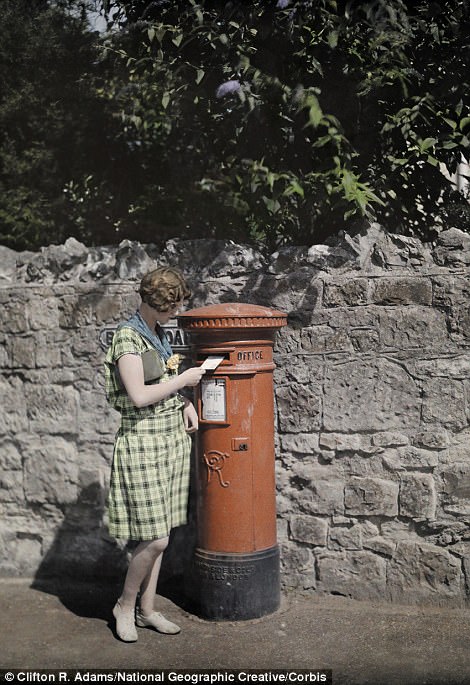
x: 55, y: 131
x: 290, y: 120
x: 280, y: 122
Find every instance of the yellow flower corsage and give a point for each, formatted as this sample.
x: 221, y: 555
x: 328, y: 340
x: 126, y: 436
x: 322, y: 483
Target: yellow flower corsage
x: 174, y: 361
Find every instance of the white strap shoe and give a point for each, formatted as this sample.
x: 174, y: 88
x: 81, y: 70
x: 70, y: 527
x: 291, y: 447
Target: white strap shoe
x: 157, y: 621
x: 125, y: 624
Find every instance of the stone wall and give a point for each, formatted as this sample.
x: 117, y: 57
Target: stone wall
x: 372, y: 391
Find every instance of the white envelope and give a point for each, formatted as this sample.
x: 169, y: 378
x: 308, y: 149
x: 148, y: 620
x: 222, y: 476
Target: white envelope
x: 212, y: 362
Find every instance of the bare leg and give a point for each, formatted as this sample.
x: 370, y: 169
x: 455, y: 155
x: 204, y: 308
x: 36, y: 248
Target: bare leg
x: 148, y: 588
x: 141, y: 566
x: 144, y: 564
x: 146, y: 616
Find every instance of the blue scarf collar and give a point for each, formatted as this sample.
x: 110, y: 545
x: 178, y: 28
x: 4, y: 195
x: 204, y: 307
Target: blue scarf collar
x: 161, y: 344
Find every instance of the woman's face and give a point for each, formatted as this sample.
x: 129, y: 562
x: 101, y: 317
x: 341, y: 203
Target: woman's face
x: 164, y: 317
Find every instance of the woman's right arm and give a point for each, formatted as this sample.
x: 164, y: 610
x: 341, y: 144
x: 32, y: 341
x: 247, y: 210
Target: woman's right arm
x: 131, y: 371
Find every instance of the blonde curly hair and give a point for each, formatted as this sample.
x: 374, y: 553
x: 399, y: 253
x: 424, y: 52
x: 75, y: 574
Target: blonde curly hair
x: 164, y: 288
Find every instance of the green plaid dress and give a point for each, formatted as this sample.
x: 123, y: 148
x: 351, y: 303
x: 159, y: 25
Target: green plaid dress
x: 150, y: 473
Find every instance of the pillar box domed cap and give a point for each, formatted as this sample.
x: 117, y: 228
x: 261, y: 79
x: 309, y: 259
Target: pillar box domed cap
x: 232, y: 315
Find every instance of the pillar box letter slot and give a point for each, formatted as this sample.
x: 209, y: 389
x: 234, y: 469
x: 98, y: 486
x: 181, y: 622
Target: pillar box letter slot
x: 237, y: 557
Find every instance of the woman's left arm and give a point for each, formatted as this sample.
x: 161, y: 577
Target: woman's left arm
x: 190, y: 417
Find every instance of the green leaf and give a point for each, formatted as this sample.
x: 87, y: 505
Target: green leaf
x: 294, y: 187
x: 200, y: 75
x: 160, y: 34
x: 315, y: 113
x: 451, y: 122
x: 333, y: 39
x: 464, y: 122
x: 272, y: 206
x: 426, y: 144
x: 151, y: 34
x: 432, y: 161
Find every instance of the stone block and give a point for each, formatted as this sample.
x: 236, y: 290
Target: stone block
x: 391, y: 461
x: 364, y: 339
x: 395, y: 530
x: 13, y: 417
x: 27, y: 554
x: 46, y: 316
x: 83, y: 348
x: 452, y: 249
x: 299, y: 408
x: 328, y: 257
x: 296, y: 292
x: 402, y: 291
x: 416, y: 458
x: 360, y: 575
x: 92, y: 486
x: 389, y: 439
x: 380, y: 545
x: 455, y: 480
x: 107, y: 308
x: 420, y: 572
x: 24, y: 352
x: 94, y: 415
x: 300, y: 566
x: 362, y: 396
x: 371, y: 497
x: 300, y: 443
x: 48, y: 351
x: 348, y: 319
x: 5, y: 352
x: 287, y: 342
x: 455, y: 367
x: 349, y: 293
x: 359, y: 466
x: 345, y: 442
x: 309, y: 529
x: 52, y: 409
x: 458, y: 452
x: 345, y: 538
x: 303, y: 369
x: 51, y: 471
x: 13, y: 317
x: 450, y: 290
x: 10, y: 456
x: 11, y: 486
x: 282, y: 528
x: 444, y: 403
x: 417, y: 496
x: 319, y: 339
x: 400, y: 252
x: 414, y: 327
x: 432, y: 438
x: 75, y: 311
x: 317, y: 489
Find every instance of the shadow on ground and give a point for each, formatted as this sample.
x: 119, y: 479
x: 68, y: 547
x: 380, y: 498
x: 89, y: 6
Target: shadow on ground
x: 85, y: 568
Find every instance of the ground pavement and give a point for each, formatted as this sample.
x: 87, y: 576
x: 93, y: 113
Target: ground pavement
x: 67, y: 626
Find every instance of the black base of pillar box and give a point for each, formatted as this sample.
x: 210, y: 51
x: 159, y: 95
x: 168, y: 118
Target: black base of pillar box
x: 237, y: 586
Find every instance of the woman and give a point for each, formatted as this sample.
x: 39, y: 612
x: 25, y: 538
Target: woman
x: 150, y: 473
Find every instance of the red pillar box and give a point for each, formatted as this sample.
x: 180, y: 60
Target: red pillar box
x: 237, y: 558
